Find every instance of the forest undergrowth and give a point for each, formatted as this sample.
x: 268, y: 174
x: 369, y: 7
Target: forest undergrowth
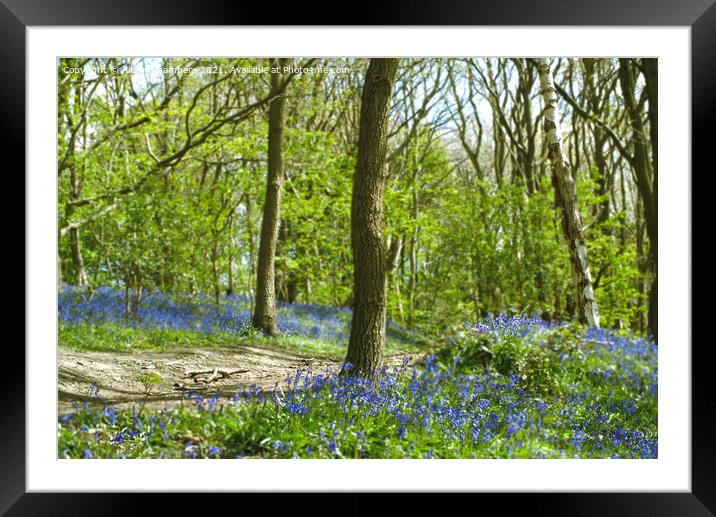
x: 504, y: 387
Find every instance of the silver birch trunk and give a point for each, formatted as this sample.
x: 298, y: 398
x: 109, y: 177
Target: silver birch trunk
x: 566, y: 195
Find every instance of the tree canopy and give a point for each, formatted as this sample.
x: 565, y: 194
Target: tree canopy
x: 162, y: 173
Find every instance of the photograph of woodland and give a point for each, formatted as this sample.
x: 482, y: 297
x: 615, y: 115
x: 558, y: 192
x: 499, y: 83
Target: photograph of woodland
x: 357, y: 257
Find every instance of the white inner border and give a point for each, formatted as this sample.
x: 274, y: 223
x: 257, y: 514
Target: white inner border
x: 672, y: 45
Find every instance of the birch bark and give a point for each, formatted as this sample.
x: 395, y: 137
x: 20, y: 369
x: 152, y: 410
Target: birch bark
x: 566, y: 195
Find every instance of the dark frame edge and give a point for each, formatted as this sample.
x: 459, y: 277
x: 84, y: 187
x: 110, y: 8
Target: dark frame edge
x: 703, y: 92
x: 12, y: 257
x: 702, y: 499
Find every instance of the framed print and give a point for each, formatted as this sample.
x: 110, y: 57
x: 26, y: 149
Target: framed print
x: 382, y: 257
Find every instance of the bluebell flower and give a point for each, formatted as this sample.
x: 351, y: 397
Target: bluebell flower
x: 215, y: 450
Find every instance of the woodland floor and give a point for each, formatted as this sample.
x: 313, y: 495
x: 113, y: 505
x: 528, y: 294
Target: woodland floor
x: 117, y: 374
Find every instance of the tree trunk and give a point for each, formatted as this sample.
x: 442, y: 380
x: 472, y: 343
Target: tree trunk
x: 604, y: 181
x: 126, y: 297
x: 566, y: 195
x: 651, y: 77
x: 394, y: 245
x: 642, y: 264
x: 280, y: 266
x: 264, y: 317
x: 286, y: 278
x: 59, y: 270
x: 80, y: 276
x: 642, y: 165
x: 215, y: 271
x: 413, y: 247
x: 230, y: 268
x: 252, y: 253
x: 75, y: 191
x: 78, y: 262
x: 365, y: 349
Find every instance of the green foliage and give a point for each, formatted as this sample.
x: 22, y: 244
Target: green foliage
x: 111, y: 337
x: 118, y: 338
x: 473, y: 236
x: 165, y: 174
x: 539, y: 359
x: 604, y: 405
x: 469, y: 352
x: 149, y: 380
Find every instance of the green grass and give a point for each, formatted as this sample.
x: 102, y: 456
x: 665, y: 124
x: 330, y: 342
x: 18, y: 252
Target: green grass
x: 110, y: 337
x: 552, y: 393
x: 113, y: 337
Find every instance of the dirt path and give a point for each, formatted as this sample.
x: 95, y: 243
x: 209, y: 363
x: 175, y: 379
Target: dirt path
x: 116, y: 374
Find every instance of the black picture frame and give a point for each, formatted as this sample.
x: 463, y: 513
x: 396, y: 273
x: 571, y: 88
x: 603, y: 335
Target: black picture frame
x: 700, y: 15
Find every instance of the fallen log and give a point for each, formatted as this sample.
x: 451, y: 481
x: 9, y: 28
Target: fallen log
x: 211, y: 373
